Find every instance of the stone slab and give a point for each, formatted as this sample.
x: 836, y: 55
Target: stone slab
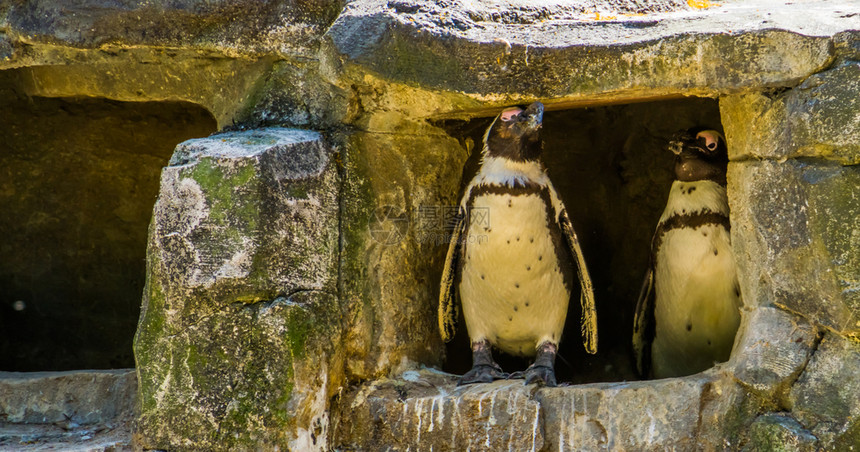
x: 581, y: 53
x: 81, y: 397
x: 286, y: 26
x: 425, y: 410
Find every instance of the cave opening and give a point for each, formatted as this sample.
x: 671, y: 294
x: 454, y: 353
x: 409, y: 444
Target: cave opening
x: 78, y: 180
x: 613, y: 170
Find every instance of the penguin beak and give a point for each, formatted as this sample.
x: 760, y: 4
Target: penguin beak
x: 679, y: 141
x: 533, y: 116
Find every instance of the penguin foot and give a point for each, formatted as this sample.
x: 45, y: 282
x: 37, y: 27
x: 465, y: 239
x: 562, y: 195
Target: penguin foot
x: 482, y: 373
x: 537, y: 373
x: 484, y: 369
x: 543, y: 369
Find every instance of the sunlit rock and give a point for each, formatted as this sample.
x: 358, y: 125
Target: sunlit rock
x: 238, y: 342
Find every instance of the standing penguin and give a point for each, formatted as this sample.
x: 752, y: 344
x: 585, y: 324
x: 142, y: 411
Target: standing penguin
x: 689, y: 307
x: 511, y: 255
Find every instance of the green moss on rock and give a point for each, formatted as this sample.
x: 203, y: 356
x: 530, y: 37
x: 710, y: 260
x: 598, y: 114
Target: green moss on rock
x: 777, y: 432
x: 224, y: 362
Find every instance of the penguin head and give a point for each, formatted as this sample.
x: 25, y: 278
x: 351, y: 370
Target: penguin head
x: 515, y: 134
x: 700, y: 154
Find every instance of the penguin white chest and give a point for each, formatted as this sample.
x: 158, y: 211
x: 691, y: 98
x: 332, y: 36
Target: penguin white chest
x: 697, y: 302
x: 512, y: 287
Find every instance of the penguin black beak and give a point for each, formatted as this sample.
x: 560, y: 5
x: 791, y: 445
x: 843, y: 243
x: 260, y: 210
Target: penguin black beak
x: 533, y: 115
x: 678, y: 141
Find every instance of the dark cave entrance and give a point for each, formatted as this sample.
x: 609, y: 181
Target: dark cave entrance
x: 78, y: 179
x: 613, y: 171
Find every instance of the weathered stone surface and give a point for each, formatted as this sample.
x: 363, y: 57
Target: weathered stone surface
x: 726, y: 411
x: 285, y: 26
x: 246, y: 216
x: 78, y: 410
x: 825, y: 400
x: 847, y: 45
x: 468, y: 61
x: 795, y: 231
x: 220, y: 55
x: 819, y: 118
x: 396, y: 187
x: 238, y: 342
x: 425, y: 411
x: 224, y: 86
x: 264, y: 381
x: 569, y: 58
x: 772, y: 351
x: 779, y: 433
x: 81, y: 397
x: 295, y: 94
x: 634, y: 416
x: 66, y: 436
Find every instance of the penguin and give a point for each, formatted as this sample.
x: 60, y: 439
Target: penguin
x: 688, y: 309
x: 511, y: 257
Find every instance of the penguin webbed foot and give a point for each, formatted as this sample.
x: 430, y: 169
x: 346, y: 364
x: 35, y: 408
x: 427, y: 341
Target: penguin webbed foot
x: 484, y: 369
x: 543, y: 369
x: 537, y: 373
x: 483, y: 373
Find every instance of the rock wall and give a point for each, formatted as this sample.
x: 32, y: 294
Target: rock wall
x: 291, y: 275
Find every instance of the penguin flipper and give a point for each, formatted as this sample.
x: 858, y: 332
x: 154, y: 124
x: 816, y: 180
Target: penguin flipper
x: 644, y: 325
x: 586, y: 299
x: 448, y: 289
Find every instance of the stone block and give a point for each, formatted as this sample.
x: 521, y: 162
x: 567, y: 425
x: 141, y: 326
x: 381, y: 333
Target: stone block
x: 657, y: 415
x: 424, y: 410
x: 726, y: 411
x: 820, y: 118
x: 238, y: 342
x: 81, y: 397
x: 245, y: 217
x: 572, y: 57
x: 290, y: 26
x: 795, y: 229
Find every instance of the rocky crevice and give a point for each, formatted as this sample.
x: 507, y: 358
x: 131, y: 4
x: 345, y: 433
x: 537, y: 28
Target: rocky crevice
x: 784, y: 402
